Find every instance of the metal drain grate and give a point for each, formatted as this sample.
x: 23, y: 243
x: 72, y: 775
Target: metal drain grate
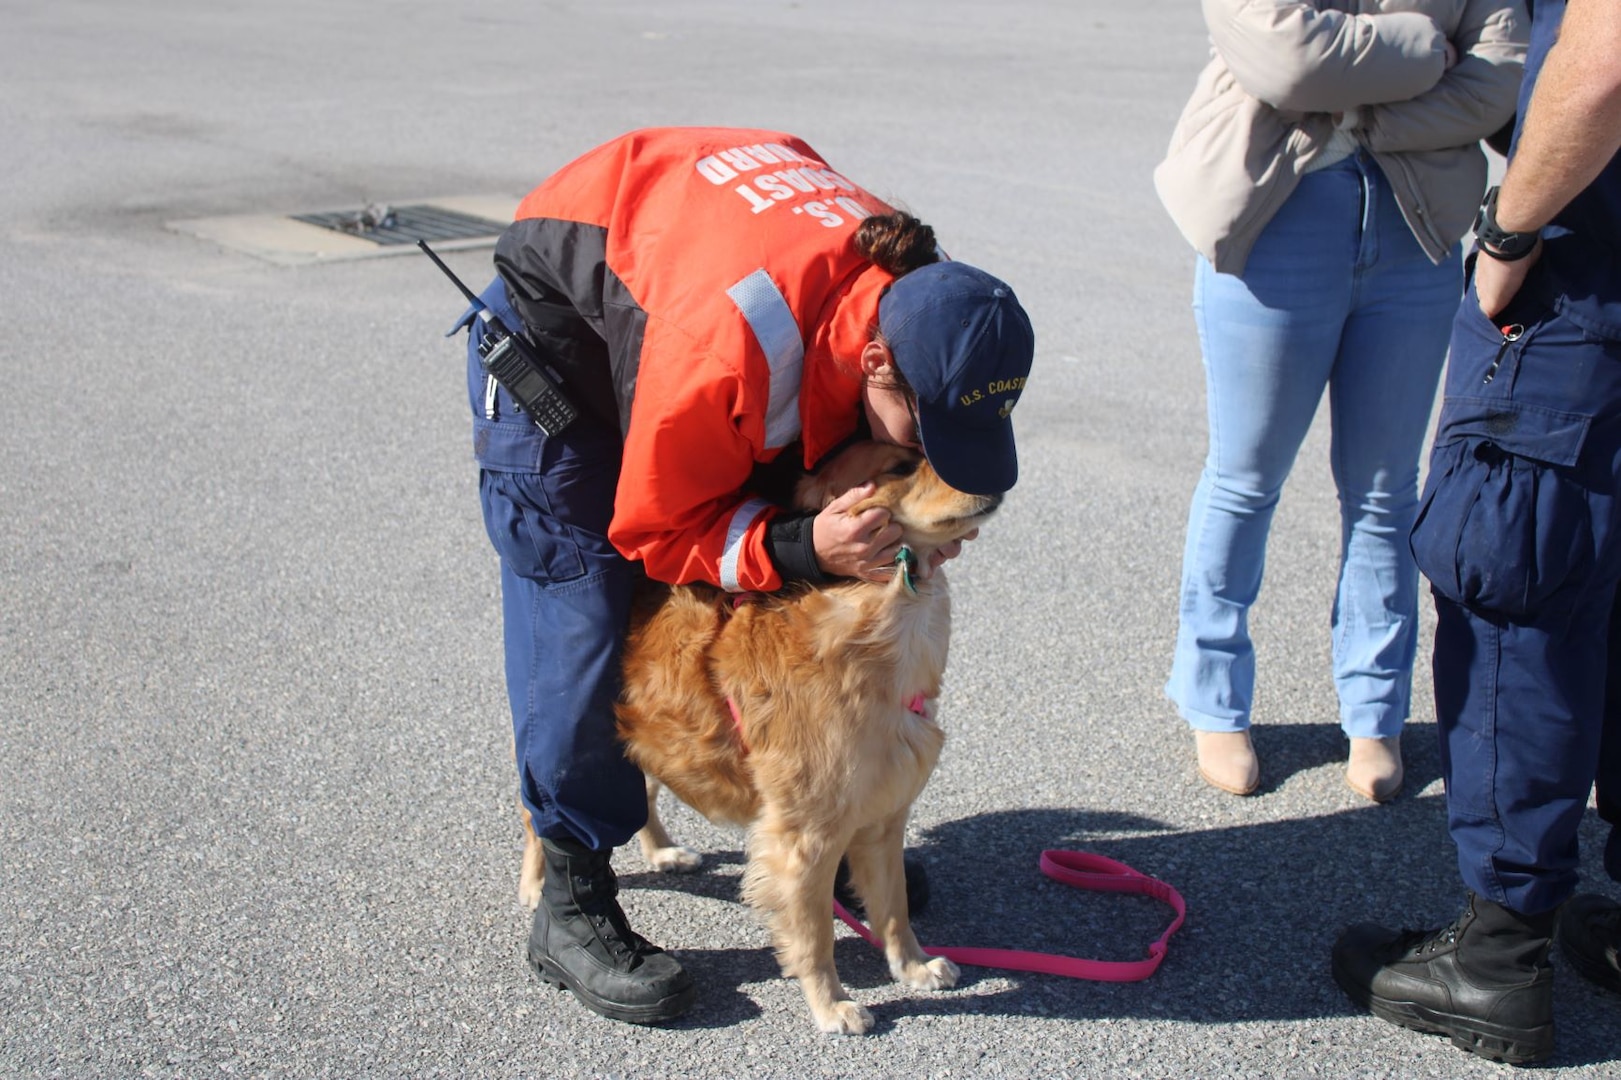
x: 392, y: 225
x: 455, y: 222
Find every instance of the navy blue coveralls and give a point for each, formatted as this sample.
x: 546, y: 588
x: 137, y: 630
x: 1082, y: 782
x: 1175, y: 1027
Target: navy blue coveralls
x: 565, y: 601
x: 1519, y: 535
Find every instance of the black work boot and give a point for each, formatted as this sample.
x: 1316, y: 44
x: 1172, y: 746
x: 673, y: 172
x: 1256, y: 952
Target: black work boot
x: 581, y: 941
x: 1589, y: 936
x: 1485, y: 980
x: 917, y: 887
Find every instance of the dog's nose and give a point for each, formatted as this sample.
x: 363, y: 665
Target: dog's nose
x: 989, y: 503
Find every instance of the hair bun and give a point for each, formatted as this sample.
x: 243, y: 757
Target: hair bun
x: 896, y: 242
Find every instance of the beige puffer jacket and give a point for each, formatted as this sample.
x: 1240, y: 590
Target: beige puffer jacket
x: 1280, y: 70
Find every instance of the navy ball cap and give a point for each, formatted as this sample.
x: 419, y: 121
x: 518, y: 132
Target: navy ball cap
x: 964, y: 344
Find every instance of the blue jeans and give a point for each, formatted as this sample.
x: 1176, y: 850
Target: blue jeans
x: 1337, y: 294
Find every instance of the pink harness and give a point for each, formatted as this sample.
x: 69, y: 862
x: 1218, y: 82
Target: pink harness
x: 916, y: 705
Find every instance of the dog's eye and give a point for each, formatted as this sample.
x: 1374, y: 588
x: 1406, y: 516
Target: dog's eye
x: 901, y: 468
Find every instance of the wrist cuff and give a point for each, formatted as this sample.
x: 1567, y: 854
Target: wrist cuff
x: 791, y: 543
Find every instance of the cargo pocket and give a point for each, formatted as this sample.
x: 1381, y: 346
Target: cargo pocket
x: 523, y: 530
x: 1502, y: 526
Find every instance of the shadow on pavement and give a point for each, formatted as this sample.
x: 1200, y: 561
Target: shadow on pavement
x: 1265, y: 902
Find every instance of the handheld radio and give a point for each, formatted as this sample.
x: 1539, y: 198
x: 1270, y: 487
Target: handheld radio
x: 508, y: 359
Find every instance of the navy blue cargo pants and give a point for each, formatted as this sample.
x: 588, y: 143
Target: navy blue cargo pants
x: 565, y: 600
x: 1519, y: 534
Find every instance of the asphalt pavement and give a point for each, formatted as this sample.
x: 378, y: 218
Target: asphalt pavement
x: 255, y: 774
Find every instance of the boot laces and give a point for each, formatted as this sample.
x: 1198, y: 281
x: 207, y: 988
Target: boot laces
x: 593, y: 890
x: 1426, y: 942
x: 607, y: 918
x: 615, y: 933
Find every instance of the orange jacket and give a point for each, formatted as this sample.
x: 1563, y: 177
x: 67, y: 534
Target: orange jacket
x: 718, y: 266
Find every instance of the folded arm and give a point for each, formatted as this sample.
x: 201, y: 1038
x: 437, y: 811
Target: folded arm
x: 1299, y: 59
x: 1473, y: 99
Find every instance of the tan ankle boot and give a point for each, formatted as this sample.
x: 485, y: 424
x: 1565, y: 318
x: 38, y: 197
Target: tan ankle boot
x: 1227, y: 760
x: 1375, y: 769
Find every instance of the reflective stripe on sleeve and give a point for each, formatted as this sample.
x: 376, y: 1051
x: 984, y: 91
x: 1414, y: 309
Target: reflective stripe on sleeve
x: 742, y: 518
x: 768, y: 315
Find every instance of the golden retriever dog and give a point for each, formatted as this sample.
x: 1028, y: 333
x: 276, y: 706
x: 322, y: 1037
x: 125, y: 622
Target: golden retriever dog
x: 807, y: 716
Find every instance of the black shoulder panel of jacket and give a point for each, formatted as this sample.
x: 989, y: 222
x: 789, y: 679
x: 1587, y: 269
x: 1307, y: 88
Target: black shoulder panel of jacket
x: 776, y: 480
x: 575, y: 309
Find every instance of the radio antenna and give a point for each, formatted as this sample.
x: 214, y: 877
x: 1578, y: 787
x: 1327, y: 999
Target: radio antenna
x: 440, y: 263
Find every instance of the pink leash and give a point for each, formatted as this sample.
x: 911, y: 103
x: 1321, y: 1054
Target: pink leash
x: 1080, y: 870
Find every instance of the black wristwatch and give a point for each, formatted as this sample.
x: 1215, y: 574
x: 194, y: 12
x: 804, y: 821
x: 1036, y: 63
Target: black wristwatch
x: 1500, y: 245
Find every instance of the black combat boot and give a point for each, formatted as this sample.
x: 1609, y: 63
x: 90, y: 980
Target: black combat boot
x: 1485, y: 980
x: 581, y: 941
x: 1589, y: 937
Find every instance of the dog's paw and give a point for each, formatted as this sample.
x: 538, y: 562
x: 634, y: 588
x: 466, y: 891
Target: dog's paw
x: 936, y: 974
x: 675, y: 860
x: 844, y: 1018
x: 529, y: 892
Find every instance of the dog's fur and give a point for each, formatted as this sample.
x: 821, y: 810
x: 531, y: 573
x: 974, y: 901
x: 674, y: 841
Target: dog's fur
x: 824, y: 757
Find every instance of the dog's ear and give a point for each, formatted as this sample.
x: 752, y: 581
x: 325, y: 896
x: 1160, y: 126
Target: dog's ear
x: 814, y: 491
x: 850, y: 467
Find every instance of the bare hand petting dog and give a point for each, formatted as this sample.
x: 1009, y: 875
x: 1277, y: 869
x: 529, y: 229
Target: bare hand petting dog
x: 864, y: 545
x: 856, y: 545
